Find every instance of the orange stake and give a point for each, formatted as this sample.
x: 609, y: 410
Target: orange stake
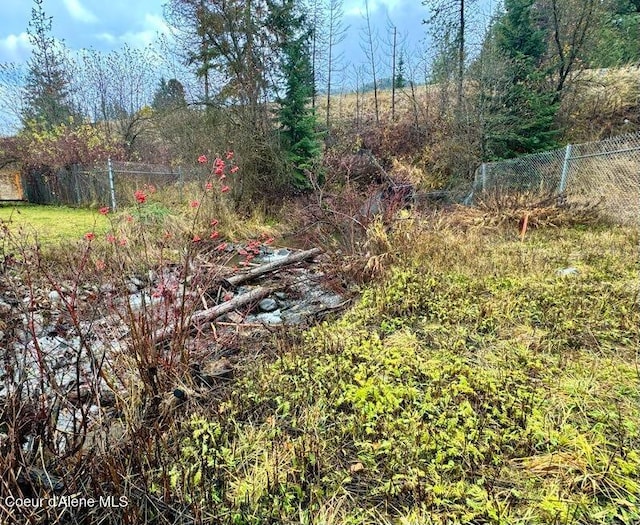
x: 523, y: 231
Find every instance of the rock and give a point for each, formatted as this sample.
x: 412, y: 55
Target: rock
x: 131, y: 287
x: 107, y: 288
x: 180, y: 394
x: 234, y: 317
x: 42, y: 479
x: 274, y: 317
x: 282, y: 253
x: 212, y: 371
x: 565, y: 272
x: 54, y: 297
x: 280, y: 295
x: 107, y: 398
x: 5, y: 308
x: 268, y: 305
x: 356, y: 467
x: 79, y: 396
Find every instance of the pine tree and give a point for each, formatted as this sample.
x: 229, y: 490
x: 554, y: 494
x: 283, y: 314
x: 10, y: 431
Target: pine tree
x: 400, y: 80
x: 523, y: 115
x: 169, y: 95
x: 296, y: 117
x: 47, y: 84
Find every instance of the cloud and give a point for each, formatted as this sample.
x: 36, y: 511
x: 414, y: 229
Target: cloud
x: 357, y: 7
x: 15, y: 48
x: 153, y: 26
x: 79, y: 12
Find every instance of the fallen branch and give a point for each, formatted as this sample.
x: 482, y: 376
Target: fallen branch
x: 235, y: 280
x: 214, y: 312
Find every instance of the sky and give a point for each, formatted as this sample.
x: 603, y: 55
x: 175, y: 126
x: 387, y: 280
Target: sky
x: 81, y: 24
x: 108, y: 25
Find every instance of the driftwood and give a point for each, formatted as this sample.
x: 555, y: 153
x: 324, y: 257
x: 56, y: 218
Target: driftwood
x: 235, y: 280
x: 214, y: 312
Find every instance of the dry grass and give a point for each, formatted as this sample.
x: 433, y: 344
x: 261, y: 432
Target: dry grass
x: 601, y: 104
x: 513, y: 209
x: 360, y: 107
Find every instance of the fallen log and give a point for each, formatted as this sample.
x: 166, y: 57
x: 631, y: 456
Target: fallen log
x: 214, y: 312
x: 235, y: 280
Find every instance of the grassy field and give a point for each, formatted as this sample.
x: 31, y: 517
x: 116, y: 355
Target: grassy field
x: 52, y: 225
x: 472, y: 383
x: 596, y: 106
x: 479, y: 378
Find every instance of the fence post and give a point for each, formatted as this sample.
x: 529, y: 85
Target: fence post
x: 483, y: 171
x: 180, y: 181
x: 565, y: 169
x: 112, y: 186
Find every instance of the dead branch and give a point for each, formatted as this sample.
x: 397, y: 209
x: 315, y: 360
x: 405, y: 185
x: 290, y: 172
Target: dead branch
x: 214, y: 312
x: 235, y: 280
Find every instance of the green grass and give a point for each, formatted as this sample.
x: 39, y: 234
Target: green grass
x: 471, y: 384
x: 52, y: 225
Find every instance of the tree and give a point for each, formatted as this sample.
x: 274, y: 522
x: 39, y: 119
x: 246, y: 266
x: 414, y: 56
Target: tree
x: 169, y: 95
x: 369, y: 46
x: 296, y: 117
x: 573, y: 24
x: 12, y: 81
x: 116, y: 89
x: 399, y: 80
x: 47, y: 87
x: 450, y: 18
x: 335, y: 34
x: 236, y: 42
x: 521, y: 116
x: 617, y: 36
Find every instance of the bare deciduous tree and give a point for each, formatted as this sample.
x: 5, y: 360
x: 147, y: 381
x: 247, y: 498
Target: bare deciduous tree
x: 572, y: 25
x: 336, y: 33
x: 370, y: 48
x: 450, y: 17
x: 117, y: 89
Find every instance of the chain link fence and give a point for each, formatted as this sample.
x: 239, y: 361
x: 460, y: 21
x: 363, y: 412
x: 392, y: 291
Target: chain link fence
x: 110, y: 183
x: 605, y: 172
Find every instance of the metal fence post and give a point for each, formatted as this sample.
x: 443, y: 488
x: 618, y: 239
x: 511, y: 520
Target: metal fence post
x: 483, y: 170
x: 565, y: 169
x: 112, y: 186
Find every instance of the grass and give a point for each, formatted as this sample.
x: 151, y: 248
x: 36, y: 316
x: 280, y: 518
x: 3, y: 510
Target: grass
x: 470, y: 384
x: 596, y: 94
x: 53, y: 225
x: 56, y: 226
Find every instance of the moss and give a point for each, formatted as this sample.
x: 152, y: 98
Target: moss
x: 447, y: 396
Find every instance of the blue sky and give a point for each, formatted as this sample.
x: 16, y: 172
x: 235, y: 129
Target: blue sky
x: 108, y: 25
x: 81, y: 24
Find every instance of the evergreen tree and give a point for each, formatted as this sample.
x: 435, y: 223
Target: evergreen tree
x: 618, y: 35
x: 296, y: 117
x: 47, y: 84
x: 400, y: 80
x: 521, y: 118
x: 169, y: 95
